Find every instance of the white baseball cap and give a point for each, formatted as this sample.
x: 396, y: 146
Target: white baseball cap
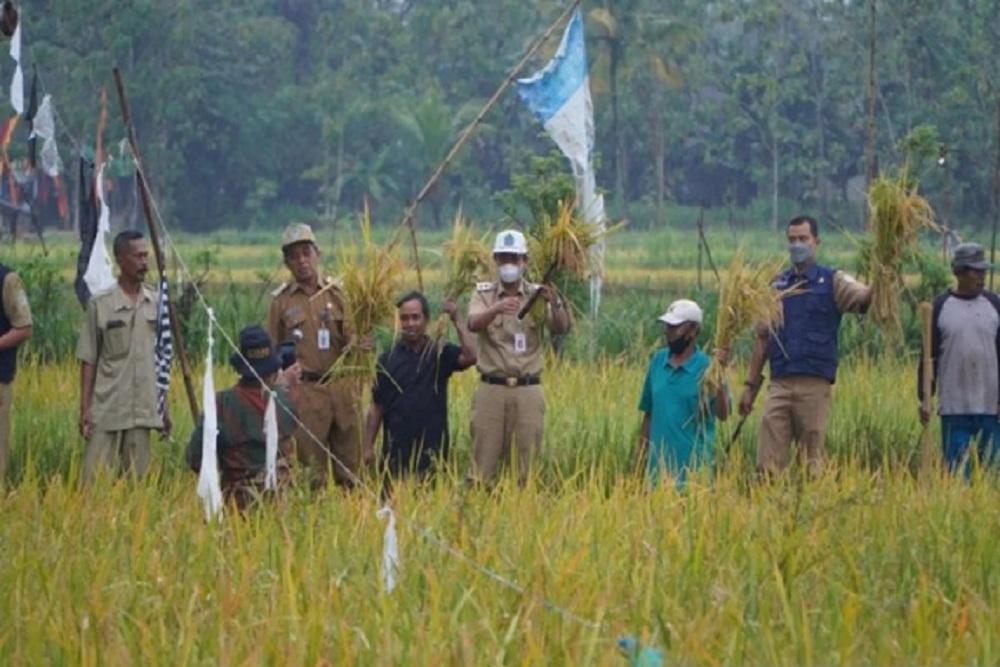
x: 681, y: 311
x: 510, y: 241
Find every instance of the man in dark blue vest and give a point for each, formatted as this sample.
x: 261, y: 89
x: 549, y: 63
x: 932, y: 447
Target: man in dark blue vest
x: 802, y: 353
x: 15, y: 328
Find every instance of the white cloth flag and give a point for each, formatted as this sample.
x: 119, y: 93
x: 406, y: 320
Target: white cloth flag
x: 99, y: 275
x: 44, y: 126
x: 17, y: 83
x: 559, y: 96
x: 271, y: 444
x: 390, y: 550
x: 208, y: 477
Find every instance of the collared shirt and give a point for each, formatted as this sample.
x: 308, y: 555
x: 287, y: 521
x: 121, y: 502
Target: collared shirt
x: 15, y: 302
x: 292, y: 308
x: 682, y: 423
x: 412, y: 388
x: 118, y: 339
x: 498, y: 353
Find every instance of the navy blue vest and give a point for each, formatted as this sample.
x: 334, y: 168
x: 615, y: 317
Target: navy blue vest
x: 807, y: 342
x: 8, y: 357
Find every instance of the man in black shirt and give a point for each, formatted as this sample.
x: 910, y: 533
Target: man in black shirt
x: 411, y: 391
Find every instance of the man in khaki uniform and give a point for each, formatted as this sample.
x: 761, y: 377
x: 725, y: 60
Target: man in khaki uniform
x: 117, y: 353
x: 508, y: 409
x: 309, y: 311
x: 803, y: 353
x: 15, y: 328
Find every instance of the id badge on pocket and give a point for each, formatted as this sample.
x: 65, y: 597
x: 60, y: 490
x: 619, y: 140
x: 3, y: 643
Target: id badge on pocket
x: 323, y: 339
x: 520, y: 342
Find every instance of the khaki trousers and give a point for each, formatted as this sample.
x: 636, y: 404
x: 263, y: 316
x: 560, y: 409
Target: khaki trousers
x: 117, y: 452
x: 332, y: 415
x: 507, y: 425
x: 6, y: 401
x: 796, y: 408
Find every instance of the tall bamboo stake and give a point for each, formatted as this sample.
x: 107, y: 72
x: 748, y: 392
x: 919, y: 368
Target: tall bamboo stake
x: 927, y: 451
x: 147, y: 209
x: 409, y: 218
x: 870, y: 139
x: 996, y: 200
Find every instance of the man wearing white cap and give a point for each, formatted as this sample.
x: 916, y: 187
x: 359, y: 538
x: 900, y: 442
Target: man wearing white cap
x: 509, y: 407
x: 678, y: 425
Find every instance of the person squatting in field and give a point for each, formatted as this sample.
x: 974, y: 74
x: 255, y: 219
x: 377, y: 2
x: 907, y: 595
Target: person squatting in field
x: 241, y: 443
x: 802, y: 353
x: 677, y: 436
x: 965, y: 352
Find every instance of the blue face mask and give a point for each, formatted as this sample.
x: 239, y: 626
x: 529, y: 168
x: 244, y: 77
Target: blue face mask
x: 799, y: 253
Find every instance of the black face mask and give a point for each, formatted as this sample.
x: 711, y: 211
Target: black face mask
x: 678, y: 345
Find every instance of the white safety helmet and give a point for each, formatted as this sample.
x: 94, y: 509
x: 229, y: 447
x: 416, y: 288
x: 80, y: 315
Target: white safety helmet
x: 510, y: 241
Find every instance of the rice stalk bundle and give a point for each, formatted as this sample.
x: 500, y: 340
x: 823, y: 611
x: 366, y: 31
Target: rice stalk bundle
x: 747, y: 298
x: 565, y: 243
x: 467, y: 260
x: 369, y: 279
x: 897, y: 215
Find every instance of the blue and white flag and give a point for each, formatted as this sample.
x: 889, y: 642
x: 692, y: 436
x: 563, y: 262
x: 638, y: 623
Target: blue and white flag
x: 559, y: 96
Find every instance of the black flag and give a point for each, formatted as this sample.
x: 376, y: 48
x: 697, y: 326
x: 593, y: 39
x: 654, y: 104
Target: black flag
x: 88, y: 226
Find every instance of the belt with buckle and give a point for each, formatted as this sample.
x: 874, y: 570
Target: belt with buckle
x: 308, y: 376
x: 523, y: 381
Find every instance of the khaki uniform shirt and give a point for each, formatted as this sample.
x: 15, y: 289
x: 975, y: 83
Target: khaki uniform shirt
x: 292, y: 309
x: 119, y: 340
x: 498, y: 353
x: 15, y: 302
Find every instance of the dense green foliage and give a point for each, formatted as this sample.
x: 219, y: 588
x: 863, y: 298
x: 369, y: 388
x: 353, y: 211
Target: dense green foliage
x: 254, y: 112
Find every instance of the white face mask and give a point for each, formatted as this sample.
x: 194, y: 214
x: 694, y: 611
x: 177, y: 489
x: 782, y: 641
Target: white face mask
x: 510, y: 273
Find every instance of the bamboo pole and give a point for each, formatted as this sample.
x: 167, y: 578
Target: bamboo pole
x: 996, y: 200
x: 927, y: 450
x: 409, y: 218
x: 870, y: 138
x: 147, y: 209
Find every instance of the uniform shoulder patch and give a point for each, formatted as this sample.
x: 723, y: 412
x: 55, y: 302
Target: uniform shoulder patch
x: 279, y: 289
x: 485, y: 287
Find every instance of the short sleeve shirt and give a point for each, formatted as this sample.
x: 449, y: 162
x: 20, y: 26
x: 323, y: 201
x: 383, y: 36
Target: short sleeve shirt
x: 412, y: 388
x: 293, y: 309
x: 682, y: 423
x: 15, y: 302
x: 118, y: 339
x: 500, y: 352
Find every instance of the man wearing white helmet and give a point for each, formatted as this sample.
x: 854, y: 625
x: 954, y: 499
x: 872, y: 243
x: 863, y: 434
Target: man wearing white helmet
x: 677, y: 436
x: 508, y: 409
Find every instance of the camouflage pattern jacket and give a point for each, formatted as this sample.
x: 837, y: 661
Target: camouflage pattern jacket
x: 241, y: 446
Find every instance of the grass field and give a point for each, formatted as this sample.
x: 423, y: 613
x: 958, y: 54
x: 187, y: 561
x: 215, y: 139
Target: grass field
x: 869, y: 564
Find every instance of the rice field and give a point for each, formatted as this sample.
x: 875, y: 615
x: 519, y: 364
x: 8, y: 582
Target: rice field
x: 868, y: 564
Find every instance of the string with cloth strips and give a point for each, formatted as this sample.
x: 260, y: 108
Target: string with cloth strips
x: 425, y: 533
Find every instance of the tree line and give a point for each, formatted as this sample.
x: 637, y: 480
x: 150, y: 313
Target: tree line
x: 252, y: 113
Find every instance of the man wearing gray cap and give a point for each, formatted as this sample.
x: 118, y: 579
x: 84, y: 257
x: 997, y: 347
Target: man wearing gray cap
x: 965, y: 350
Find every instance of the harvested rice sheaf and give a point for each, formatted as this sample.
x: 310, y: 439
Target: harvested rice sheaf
x: 897, y: 215
x: 369, y: 278
x: 747, y: 298
x: 467, y: 260
x: 566, y: 243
